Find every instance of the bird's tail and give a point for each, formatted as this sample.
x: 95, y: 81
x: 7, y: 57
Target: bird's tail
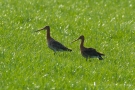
x: 69, y: 50
x: 100, y: 58
x: 101, y: 54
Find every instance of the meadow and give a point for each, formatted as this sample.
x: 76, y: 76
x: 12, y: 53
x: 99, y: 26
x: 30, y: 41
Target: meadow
x: 26, y: 62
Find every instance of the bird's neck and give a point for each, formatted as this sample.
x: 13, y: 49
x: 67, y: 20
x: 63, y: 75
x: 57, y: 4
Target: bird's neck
x: 48, y: 34
x: 82, y: 42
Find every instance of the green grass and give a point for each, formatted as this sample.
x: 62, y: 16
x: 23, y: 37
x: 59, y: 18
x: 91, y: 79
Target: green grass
x: 26, y: 63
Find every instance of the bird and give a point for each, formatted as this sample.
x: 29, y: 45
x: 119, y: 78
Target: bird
x: 53, y: 44
x: 88, y: 52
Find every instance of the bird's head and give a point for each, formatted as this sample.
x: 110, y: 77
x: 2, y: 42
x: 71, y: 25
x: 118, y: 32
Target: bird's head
x: 45, y: 28
x: 81, y: 37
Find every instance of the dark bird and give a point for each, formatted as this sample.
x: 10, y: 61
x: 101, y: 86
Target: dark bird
x: 88, y: 52
x: 53, y: 44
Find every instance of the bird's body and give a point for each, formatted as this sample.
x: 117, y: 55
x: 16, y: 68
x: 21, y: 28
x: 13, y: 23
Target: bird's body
x: 56, y: 46
x: 53, y: 44
x: 89, y: 52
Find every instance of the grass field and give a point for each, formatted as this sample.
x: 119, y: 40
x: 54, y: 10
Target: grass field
x: 26, y: 62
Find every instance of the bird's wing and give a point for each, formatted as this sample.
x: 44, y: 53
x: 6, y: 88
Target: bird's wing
x: 92, y: 51
x: 58, y: 46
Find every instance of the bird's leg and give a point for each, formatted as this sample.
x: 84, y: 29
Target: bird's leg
x: 90, y: 60
x: 86, y: 59
x: 54, y: 53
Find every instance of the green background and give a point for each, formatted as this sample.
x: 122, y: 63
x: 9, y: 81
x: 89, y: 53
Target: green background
x: 26, y: 62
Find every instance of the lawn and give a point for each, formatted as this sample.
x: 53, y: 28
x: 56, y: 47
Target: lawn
x: 26, y: 62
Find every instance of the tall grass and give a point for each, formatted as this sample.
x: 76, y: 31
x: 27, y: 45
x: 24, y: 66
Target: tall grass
x: 26, y: 62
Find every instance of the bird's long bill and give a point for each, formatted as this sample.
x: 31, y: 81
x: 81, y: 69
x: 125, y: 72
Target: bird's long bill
x: 74, y: 40
x: 39, y: 30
